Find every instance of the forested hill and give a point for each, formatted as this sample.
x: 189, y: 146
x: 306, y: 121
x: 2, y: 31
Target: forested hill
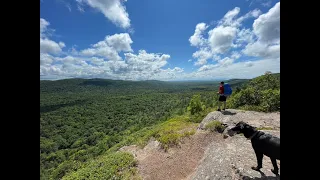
x: 81, y: 119
x: 81, y: 85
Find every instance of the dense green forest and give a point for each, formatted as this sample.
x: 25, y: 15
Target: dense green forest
x: 259, y: 94
x: 84, y: 121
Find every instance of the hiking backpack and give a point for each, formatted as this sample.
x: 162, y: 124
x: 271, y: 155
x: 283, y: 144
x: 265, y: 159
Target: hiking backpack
x: 227, y: 90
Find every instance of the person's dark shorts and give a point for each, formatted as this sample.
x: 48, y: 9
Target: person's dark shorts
x: 222, y: 98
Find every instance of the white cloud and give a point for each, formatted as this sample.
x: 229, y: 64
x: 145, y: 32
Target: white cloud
x: 49, y: 46
x: 221, y: 38
x: 251, y: 14
x: 207, y: 67
x: 255, y: 13
x: 110, y: 47
x: 247, y: 69
x: 62, y: 45
x: 102, y: 51
x: 225, y: 36
x: 267, y: 30
x: 225, y: 62
x: 200, y: 62
x: 197, y: 38
x: 68, y: 59
x: 102, y: 60
x: 139, y: 66
x: 51, y: 70
x: 262, y: 41
x: 259, y: 49
x: 144, y: 61
x: 267, y: 26
x: 120, y: 42
x: 216, y: 55
x: 235, y: 55
x: 43, y: 26
x: 228, y: 19
x: 117, y: 66
x: 45, y: 59
x: 245, y: 36
x: 114, y: 10
x: 248, y: 64
x: 97, y: 61
x: 202, y: 56
x: 220, y: 63
x: 73, y: 51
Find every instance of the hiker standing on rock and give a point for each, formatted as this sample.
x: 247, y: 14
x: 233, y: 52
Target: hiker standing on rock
x: 224, y: 91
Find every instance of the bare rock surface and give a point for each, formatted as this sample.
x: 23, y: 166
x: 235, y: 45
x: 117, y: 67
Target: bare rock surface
x: 207, y: 155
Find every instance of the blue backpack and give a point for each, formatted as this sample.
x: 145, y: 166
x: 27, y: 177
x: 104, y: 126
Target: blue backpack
x: 227, y: 90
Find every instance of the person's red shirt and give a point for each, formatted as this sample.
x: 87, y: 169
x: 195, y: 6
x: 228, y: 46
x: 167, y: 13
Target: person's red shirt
x: 221, y: 89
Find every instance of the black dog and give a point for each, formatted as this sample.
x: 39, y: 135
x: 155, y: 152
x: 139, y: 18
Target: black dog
x: 263, y: 144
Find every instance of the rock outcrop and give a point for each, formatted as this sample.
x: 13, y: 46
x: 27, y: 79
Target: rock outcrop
x: 208, y: 155
x: 232, y: 158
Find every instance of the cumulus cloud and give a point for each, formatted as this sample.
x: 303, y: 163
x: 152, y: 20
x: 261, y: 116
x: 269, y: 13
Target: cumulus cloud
x: 221, y: 38
x: 245, y: 36
x: 141, y: 66
x: 242, y: 69
x: 43, y: 26
x: 114, y: 10
x: 226, y: 62
x: 45, y: 59
x: 220, y: 52
x: 103, y: 60
x: 120, y: 42
x: 230, y: 18
x: 202, y: 56
x: 97, y: 61
x: 255, y: 13
x: 197, y: 38
x: 144, y: 61
x: 102, y: 51
x: 248, y: 64
x: 267, y: 26
x: 229, y: 40
x: 117, y: 67
x: 47, y: 45
x: 110, y: 47
x: 51, y: 47
x: 235, y: 55
x: 267, y: 30
x: 259, y: 49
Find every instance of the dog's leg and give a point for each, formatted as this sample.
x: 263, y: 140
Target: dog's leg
x: 275, y: 166
x: 259, y: 156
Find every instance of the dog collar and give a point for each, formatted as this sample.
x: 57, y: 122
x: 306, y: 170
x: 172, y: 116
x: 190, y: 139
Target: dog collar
x: 252, y: 135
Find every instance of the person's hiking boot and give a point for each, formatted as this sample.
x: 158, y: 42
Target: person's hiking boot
x: 219, y: 109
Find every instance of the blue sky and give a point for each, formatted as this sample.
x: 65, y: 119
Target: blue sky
x: 159, y: 39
